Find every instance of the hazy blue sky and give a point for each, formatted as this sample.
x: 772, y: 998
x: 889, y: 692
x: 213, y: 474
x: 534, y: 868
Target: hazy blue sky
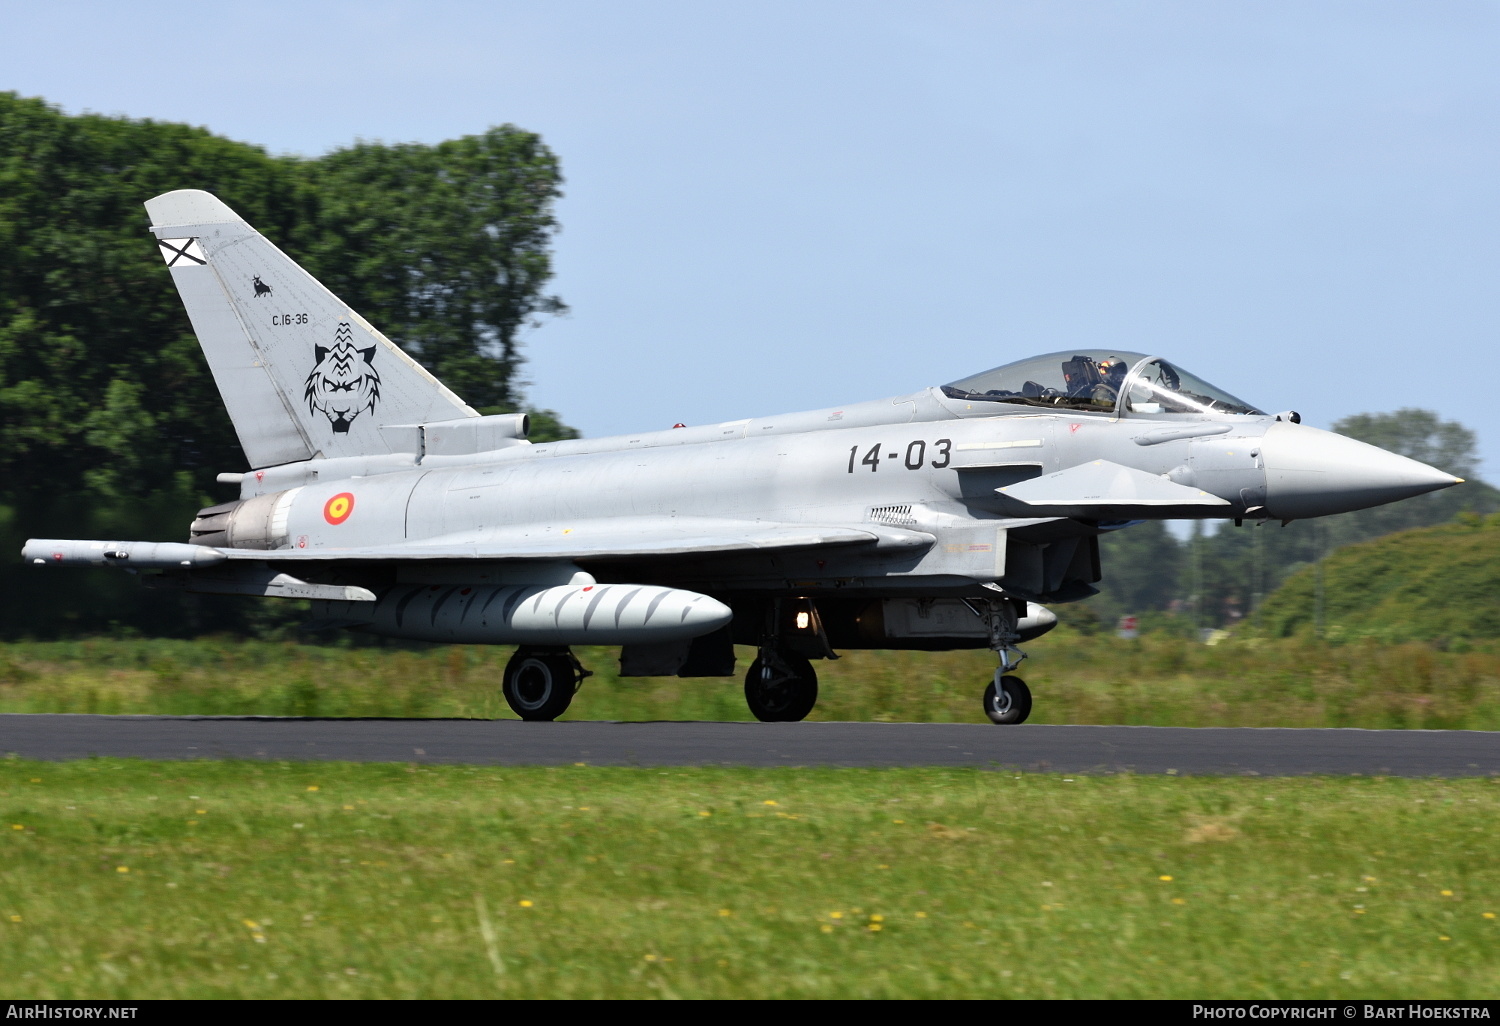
x: 776, y: 206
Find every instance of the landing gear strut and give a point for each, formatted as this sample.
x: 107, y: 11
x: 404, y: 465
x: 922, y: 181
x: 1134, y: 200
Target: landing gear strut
x: 540, y: 683
x: 1007, y: 699
x: 780, y: 686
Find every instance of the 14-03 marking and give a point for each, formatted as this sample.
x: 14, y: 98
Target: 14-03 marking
x: 916, y: 455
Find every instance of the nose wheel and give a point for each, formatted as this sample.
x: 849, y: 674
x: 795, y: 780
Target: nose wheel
x: 1007, y: 700
x: 539, y: 683
x: 781, y: 687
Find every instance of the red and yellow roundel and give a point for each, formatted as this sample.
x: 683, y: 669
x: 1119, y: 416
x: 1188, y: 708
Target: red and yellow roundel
x: 337, y: 509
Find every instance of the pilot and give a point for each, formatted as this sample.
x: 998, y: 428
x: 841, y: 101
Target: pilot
x: 1112, y: 378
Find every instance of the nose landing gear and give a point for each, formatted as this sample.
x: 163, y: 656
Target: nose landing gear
x: 1007, y: 699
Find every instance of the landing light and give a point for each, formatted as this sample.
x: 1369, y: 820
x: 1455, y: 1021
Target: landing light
x: 804, y: 620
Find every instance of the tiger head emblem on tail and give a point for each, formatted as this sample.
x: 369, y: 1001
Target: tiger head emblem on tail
x: 344, y: 383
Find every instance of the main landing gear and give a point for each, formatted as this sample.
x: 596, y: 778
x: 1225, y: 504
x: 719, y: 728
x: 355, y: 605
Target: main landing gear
x: 780, y: 687
x: 1007, y: 699
x: 540, y: 683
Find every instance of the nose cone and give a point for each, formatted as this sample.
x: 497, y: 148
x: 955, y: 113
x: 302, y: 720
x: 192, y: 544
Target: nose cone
x: 1313, y: 473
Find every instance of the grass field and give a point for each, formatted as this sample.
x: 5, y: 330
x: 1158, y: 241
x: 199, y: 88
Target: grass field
x: 1076, y: 678
x: 140, y: 879
x: 134, y: 879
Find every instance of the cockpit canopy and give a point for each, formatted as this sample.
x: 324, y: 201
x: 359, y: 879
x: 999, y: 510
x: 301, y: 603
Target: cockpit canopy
x: 1096, y: 379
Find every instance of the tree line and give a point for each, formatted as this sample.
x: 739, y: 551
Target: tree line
x: 110, y: 423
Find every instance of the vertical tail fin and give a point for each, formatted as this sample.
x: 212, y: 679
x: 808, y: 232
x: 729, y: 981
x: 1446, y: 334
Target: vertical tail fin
x: 302, y: 375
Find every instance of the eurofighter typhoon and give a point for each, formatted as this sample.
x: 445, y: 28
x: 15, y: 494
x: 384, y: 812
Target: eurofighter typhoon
x: 937, y: 520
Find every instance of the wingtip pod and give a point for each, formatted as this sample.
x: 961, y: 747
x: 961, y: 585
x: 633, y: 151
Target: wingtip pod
x: 189, y: 207
x: 135, y: 555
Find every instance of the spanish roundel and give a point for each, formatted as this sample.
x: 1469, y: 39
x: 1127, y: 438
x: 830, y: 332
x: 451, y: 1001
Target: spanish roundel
x: 337, y: 509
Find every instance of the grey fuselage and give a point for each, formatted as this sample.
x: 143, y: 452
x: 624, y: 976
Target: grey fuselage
x: 922, y: 464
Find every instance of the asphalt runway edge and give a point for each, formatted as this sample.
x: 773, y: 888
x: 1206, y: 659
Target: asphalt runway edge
x: 1222, y: 751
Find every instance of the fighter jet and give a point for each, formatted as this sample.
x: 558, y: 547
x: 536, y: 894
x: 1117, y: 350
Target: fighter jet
x: 937, y: 520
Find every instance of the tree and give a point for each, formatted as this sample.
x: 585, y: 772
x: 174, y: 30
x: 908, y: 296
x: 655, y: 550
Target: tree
x: 1143, y: 570
x: 449, y: 243
x: 110, y: 424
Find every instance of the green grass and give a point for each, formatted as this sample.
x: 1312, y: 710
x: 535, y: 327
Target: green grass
x: 1076, y: 678
x: 338, y: 880
x: 1429, y: 584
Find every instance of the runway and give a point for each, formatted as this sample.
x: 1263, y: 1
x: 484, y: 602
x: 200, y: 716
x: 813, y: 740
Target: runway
x: 1033, y: 747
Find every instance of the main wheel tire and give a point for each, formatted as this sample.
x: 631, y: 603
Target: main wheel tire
x: 1010, y: 704
x: 539, y: 685
x: 781, y: 694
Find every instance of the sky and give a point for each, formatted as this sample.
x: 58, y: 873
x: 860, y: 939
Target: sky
x: 777, y: 206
